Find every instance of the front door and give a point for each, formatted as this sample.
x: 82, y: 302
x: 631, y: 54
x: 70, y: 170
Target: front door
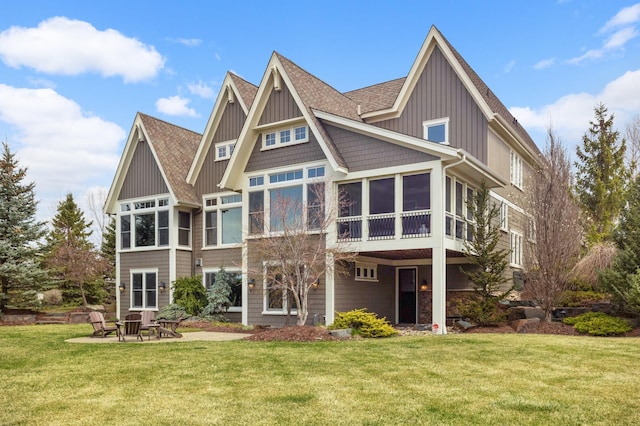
x: 407, y: 296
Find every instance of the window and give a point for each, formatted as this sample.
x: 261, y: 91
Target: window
x: 516, y: 170
x: 270, y: 139
x: 350, y: 211
x: 460, y: 208
x: 235, y: 281
x: 416, y: 198
x: 125, y: 231
x: 470, y: 220
x: 458, y: 216
x: 223, y: 220
x: 285, y: 136
x: 290, y: 199
x: 144, y: 290
x: 147, y: 227
x: 437, y: 130
x: 277, y: 299
x: 516, y: 249
x: 504, y: 216
x: 447, y: 205
x: 184, y: 228
x: 382, y: 202
x: 224, y: 150
x: 366, y: 272
x: 285, y: 208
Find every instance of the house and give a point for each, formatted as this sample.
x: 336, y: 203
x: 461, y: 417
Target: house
x: 407, y: 153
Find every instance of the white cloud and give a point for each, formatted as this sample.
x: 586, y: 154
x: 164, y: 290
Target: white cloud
x: 64, y: 148
x: 176, y: 105
x: 70, y: 47
x: 544, y: 64
x: 570, y: 114
x: 190, y: 42
x: 625, y: 18
x: 509, y: 66
x: 201, y: 89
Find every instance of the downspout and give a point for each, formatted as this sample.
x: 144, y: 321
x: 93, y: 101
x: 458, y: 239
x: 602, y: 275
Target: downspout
x: 439, y: 316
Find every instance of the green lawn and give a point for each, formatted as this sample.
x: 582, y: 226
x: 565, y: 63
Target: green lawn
x: 454, y: 380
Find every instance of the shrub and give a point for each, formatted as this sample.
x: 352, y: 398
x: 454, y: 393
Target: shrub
x: 189, y: 293
x: 52, y: 297
x: 483, y: 312
x: 598, y: 324
x: 218, y: 296
x: 581, y: 298
x: 172, y: 312
x: 366, y: 324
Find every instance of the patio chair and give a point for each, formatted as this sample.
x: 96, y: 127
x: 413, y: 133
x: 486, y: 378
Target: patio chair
x: 130, y: 327
x: 149, y: 324
x: 100, y: 327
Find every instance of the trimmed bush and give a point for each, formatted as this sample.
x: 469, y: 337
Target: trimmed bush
x: 189, y: 293
x: 598, y: 324
x: 366, y: 324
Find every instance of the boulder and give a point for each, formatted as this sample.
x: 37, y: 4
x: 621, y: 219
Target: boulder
x: 525, y: 312
x: 527, y: 325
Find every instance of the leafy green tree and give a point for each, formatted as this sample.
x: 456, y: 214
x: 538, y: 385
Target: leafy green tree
x: 601, y: 176
x: 21, y: 276
x: 190, y: 294
x: 76, y: 263
x: 488, y: 262
x: 622, y: 279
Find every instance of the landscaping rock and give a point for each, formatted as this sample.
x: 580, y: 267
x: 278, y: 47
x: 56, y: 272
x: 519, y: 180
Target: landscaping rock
x: 525, y: 312
x: 465, y: 325
x: 341, y: 333
x: 78, y: 317
x: 529, y: 325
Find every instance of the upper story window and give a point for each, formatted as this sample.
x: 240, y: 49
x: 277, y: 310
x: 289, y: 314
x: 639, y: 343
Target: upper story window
x: 285, y: 136
x: 287, y: 200
x: 224, y: 150
x: 458, y: 216
x: 516, y: 170
x: 437, y: 130
x: 223, y: 220
x: 148, y: 226
x: 184, y: 228
x: 504, y: 216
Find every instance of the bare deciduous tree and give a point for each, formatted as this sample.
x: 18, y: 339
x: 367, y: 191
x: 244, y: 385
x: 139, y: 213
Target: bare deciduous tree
x: 633, y: 145
x: 556, y: 232
x: 292, y: 245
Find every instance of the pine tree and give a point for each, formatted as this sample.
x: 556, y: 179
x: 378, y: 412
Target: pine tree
x: 69, y: 251
x: 108, y: 247
x: 621, y: 279
x: 601, y: 176
x: 488, y: 262
x: 20, y: 274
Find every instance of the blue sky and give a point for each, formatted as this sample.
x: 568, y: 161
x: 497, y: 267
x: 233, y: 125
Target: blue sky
x: 73, y: 74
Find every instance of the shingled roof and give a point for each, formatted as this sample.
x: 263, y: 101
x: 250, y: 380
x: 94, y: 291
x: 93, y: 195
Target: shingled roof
x: 246, y: 90
x: 377, y: 97
x: 175, y: 148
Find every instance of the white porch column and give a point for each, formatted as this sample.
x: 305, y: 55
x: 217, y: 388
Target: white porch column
x: 439, y: 255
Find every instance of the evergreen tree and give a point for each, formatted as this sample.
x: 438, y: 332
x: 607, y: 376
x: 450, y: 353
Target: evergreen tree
x: 488, y: 262
x: 78, y: 266
x: 622, y: 278
x: 601, y: 176
x: 218, y: 295
x: 108, y: 247
x: 20, y: 274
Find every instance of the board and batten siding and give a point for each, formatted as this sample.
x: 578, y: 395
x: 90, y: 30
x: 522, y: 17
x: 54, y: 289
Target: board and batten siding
x: 439, y: 93
x: 280, y: 106
x: 365, y: 153
x: 154, y: 259
x: 143, y: 175
x: 231, y: 123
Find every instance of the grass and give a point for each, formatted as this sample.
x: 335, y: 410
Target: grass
x: 453, y: 380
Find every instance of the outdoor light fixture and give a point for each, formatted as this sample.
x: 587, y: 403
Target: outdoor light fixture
x: 163, y: 286
x: 252, y: 283
x: 315, y: 284
x: 121, y: 287
x: 424, y: 286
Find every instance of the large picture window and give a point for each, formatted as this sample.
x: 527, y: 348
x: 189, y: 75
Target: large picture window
x: 223, y: 220
x: 235, y: 295
x: 144, y: 290
x: 146, y: 225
